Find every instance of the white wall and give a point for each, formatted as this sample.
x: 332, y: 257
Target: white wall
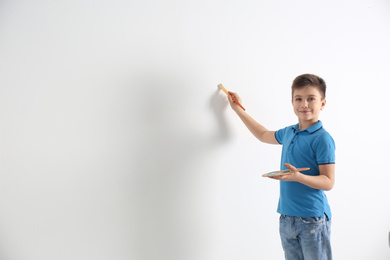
x: 116, y: 144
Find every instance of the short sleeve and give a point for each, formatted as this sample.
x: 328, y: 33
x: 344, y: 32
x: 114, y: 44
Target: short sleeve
x: 279, y: 135
x: 325, y: 149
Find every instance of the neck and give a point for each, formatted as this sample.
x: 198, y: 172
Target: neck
x: 306, y: 124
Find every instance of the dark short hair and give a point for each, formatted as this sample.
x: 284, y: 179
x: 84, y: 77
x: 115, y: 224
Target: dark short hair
x: 305, y: 80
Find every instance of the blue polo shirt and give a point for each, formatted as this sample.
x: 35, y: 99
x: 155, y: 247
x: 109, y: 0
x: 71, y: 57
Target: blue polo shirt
x: 306, y: 148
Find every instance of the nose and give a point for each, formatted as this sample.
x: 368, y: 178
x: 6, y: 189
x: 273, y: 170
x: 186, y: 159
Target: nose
x: 305, y: 103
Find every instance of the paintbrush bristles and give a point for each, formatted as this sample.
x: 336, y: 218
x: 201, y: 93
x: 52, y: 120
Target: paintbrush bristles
x: 223, y: 89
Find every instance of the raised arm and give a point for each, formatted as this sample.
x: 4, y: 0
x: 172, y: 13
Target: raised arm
x: 258, y: 130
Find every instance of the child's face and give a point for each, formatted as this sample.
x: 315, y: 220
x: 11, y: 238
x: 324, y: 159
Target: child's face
x: 308, y: 103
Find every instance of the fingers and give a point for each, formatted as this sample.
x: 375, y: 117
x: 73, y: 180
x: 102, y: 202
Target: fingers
x: 279, y: 178
x: 290, y: 167
x: 233, y: 96
x: 231, y: 101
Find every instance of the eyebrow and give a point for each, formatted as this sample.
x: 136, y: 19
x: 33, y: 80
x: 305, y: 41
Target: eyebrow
x: 308, y: 96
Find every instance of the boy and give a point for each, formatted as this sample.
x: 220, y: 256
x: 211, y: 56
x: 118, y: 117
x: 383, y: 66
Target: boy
x: 305, y: 218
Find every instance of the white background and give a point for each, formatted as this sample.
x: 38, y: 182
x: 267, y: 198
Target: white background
x: 115, y: 142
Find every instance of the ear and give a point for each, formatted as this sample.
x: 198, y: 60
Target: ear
x: 323, y: 103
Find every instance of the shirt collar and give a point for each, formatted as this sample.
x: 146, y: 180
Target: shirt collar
x: 311, y: 129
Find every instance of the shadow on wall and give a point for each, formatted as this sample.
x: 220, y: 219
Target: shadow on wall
x: 172, y: 149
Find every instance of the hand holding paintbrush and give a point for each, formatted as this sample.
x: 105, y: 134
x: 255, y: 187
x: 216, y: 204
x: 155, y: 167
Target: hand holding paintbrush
x: 232, y: 96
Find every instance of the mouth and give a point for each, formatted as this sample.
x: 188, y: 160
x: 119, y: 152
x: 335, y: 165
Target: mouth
x: 304, y: 112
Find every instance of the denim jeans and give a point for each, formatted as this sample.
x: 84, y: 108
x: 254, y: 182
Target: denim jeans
x: 305, y: 238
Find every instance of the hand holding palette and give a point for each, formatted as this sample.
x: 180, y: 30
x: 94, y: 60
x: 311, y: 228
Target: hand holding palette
x: 283, y: 172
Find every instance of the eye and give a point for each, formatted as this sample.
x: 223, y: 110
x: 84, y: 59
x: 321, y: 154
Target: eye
x: 298, y: 99
x: 312, y: 99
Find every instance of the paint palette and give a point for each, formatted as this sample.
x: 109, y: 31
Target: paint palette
x: 283, y: 172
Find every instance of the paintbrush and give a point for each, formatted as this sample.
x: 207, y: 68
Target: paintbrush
x: 227, y: 93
